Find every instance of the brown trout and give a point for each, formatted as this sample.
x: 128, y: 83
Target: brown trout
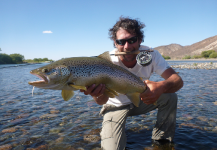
x: 77, y: 73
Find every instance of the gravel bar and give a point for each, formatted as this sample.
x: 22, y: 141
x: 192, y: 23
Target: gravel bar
x: 207, y: 66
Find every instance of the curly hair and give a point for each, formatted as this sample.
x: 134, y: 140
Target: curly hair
x: 133, y: 26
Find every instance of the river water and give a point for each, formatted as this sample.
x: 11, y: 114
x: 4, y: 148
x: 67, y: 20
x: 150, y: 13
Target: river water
x: 45, y: 120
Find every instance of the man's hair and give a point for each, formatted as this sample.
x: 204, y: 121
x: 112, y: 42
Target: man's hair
x: 133, y: 26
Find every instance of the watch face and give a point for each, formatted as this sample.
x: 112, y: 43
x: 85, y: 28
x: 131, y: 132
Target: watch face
x: 144, y: 58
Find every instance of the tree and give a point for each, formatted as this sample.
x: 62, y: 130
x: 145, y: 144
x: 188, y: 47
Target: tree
x: 17, y: 58
x: 5, y: 59
x: 28, y: 60
x: 40, y: 59
x: 213, y: 55
x: 45, y: 59
x: 207, y: 53
x: 36, y: 60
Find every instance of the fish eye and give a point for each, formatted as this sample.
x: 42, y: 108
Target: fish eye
x: 45, y: 70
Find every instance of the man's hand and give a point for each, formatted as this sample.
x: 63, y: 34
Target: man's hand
x: 97, y: 93
x: 153, y: 92
x: 172, y: 83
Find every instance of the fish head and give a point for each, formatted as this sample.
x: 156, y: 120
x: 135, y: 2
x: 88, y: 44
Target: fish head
x: 52, y: 76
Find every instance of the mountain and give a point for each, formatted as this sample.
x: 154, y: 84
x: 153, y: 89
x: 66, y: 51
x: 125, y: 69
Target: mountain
x: 176, y: 51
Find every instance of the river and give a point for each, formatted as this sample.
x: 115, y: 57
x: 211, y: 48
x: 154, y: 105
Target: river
x: 45, y: 120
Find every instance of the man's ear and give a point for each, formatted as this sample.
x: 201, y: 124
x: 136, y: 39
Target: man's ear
x: 140, y: 41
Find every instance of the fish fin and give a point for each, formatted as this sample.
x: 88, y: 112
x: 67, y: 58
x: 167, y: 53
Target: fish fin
x: 110, y: 93
x: 105, y: 56
x: 67, y: 94
x: 134, y: 98
x: 141, y: 78
x: 113, y: 91
x: 78, y: 87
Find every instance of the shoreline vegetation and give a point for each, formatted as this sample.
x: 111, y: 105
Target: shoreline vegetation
x: 20, y: 59
x: 210, y: 55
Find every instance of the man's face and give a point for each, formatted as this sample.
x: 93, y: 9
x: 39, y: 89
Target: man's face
x: 123, y: 34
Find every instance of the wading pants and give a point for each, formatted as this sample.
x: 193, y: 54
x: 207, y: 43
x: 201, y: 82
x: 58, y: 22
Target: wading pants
x: 113, y: 135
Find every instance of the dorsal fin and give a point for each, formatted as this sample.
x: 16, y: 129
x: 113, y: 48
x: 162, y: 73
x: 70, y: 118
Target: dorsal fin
x: 105, y: 56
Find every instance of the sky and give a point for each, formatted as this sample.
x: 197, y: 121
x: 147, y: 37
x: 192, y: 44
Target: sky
x: 57, y: 29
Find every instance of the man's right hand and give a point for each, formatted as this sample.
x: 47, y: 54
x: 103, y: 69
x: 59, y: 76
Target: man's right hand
x: 97, y: 93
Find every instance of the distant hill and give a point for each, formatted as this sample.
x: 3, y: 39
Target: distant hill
x: 176, y: 51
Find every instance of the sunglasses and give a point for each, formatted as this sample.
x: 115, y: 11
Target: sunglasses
x: 130, y: 40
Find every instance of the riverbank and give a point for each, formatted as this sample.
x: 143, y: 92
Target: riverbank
x: 203, y: 59
x: 16, y: 65
x: 207, y: 65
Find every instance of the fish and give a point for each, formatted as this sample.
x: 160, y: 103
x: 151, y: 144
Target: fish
x: 75, y: 73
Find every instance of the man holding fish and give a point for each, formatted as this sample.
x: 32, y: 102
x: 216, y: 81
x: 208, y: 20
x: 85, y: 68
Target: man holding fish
x: 127, y: 35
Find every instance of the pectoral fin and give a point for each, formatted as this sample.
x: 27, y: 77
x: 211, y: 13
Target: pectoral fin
x: 134, y: 98
x: 67, y: 94
x: 110, y: 93
x: 78, y: 87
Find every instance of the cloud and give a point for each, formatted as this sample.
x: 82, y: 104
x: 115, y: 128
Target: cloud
x: 47, y: 32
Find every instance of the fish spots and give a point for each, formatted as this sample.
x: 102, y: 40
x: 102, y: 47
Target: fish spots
x: 84, y: 70
x: 64, y: 71
x: 100, y: 70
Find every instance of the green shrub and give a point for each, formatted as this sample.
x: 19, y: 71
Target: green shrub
x: 207, y: 53
x: 196, y: 56
x: 166, y: 57
x: 213, y: 55
x: 187, y: 57
x: 17, y: 58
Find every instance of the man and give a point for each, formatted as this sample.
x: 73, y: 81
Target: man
x: 127, y: 35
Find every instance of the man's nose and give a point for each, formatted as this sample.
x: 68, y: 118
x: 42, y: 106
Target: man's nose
x: 126, y: 45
